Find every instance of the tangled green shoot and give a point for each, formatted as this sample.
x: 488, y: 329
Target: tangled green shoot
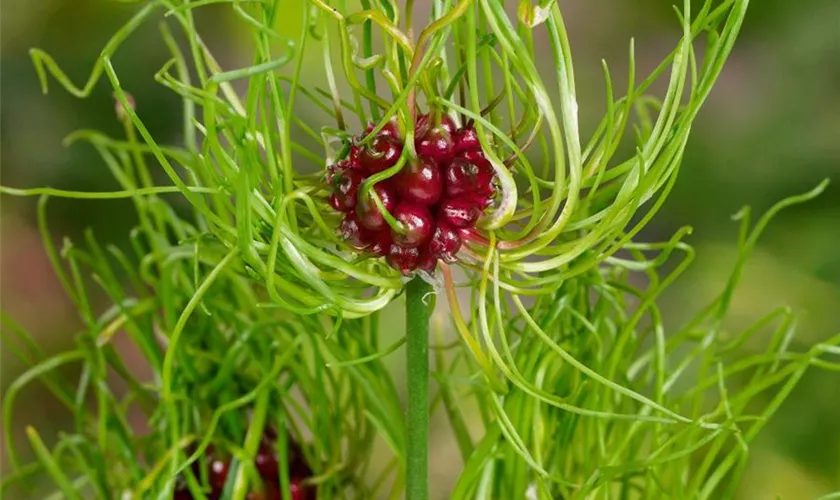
x: 254, y: 313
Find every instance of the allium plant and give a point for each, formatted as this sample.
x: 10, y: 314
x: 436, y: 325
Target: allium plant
x: 449, y: 166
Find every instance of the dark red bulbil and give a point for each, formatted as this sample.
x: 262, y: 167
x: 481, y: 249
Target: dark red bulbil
x: 182, y: 493
x: 445, y: 243
x: 417, y: 225
x: 218, y: 472
x: 448, y: 124
x: 437, y: 197
x: 477, y: 158
x: 460, y: 178
x: 345, y: 186
x: 459, y: 213
x: 390, y: 129
x: 466, y: 139
x: 353, y: 232
x: 403, y: 259
x: 266, y: 463
x: 300, y: 491
x: 425, y: 120
x: 435, y: 143
x: 420, y: 181
x: 368, y: 213
x: 382, y: 153
x: 381, y: 244
x: 297, y: 491
x: 428, y: 261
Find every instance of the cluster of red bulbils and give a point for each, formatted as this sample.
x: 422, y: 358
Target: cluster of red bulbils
x: 267, y: 466
x: 436, y: 198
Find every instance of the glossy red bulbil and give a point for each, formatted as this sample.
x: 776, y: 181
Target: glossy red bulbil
x: 435, y: 143
x: 382, y: 153
x: 466, y: 139
x: 267, y: 464
x: 437, y: 197
x: 368, y: 213
x: 272, y: 491
x: 218, y: 473
x: 390, y: 129
x: 420, y: 181
x: 425, y: 120
x: 353, y: 232
x: 459, y: 213
x: 461, y: 178
x: 417, y: 225
x: 428, y: 261
x: 403, y: 259
x: 445, y: 243
x: 300, y: 491
x: 381, y: 244
x: 477, y: 158
x: 345, y: 186
x: 182, y: 493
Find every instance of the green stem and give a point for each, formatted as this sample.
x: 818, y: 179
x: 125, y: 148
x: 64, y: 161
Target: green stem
x: 418, y: 308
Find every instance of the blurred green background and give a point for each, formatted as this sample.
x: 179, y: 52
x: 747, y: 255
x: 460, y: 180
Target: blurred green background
x: 771, y: 128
